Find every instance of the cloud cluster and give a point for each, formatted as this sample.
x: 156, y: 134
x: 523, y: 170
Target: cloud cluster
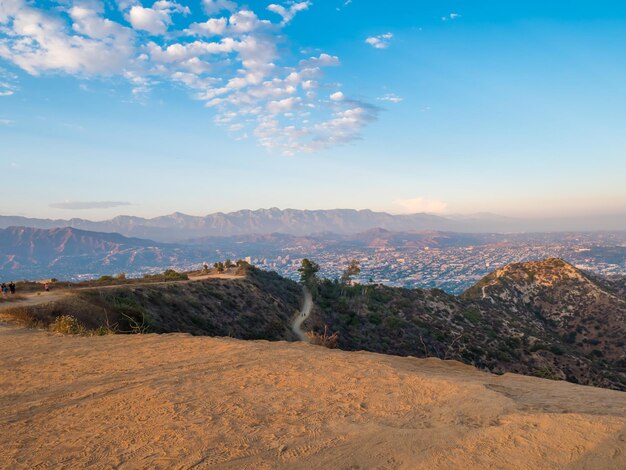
x: 381, y: 41
x: 230, y: 61
x: 7, y: 81
x: 391, y: 97
x: 420, y: 205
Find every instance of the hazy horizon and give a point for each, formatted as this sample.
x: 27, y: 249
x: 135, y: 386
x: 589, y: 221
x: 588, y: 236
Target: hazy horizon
x: 423, y: 222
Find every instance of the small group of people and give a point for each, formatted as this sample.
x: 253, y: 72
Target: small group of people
x: 6, y: 288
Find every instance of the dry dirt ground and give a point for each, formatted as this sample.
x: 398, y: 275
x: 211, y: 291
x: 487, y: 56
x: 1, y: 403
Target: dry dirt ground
x: 176, y: 401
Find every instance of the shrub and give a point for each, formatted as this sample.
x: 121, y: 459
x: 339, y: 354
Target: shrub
x: 170, y: 274
x: 394, y: 323
x: 547, y: 373
x: 555, y: 349
x: 23, y: 316
x: 323, y: 339
x: 101, y: 331
x: 473, y: 315
x: 67, y: 325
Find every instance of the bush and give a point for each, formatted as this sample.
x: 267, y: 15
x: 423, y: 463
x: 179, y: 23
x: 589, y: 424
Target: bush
x: 555, y: 349
x: 472, y: 315
x: 101, y: 331
x: 547, y: 373
x: 67, y: 325
x: 323, y: 339
x: 24, y: 316
x: 394, y: 323
x: 170, y: 274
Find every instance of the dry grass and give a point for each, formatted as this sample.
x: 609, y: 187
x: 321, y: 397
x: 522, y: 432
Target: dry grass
x: 323, y: 339
x: 24, y: 316
x: 11, y: 298
x: 44, y: 318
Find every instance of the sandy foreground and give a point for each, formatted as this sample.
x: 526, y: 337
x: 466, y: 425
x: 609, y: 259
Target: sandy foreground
x: 176, y: 401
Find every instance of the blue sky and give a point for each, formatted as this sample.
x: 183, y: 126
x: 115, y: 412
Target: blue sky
x: 150, y: 107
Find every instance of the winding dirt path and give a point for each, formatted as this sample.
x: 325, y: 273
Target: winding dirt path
x: 34, y: 298
x: 303, y: 315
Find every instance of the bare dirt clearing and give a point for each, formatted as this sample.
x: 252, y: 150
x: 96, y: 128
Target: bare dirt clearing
x: 176, y: 401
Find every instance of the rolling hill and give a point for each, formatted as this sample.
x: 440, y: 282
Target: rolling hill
x: 558, y: 323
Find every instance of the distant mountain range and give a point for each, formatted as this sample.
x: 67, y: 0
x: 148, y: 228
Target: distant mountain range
x: 179, y: 227
x: 59, y: 252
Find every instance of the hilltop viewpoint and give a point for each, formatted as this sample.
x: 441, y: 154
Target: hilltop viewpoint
x: 177, y: 401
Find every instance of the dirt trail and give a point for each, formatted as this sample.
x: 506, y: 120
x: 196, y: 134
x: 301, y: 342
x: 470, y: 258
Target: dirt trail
x: 303, y: 315
x: 35, y: 298
x: 31, y: 299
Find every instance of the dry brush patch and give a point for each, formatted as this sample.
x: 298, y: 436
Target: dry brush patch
x: 323, y: 339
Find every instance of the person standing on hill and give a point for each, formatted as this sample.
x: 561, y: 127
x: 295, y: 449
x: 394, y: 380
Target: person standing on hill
x: 12, y: 287
x: 3, y: 287
x: 46, y: 287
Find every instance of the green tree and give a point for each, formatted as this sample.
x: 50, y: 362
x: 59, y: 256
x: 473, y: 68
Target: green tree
x: 219, y: 266
x: 308, y: 271
x: 352, y: 270
x: 228, y: 264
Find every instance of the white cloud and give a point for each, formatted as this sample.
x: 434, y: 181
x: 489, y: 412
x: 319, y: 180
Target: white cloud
x: 246, y: 21
x: 323, y: 60
x: 391, y: 97
x: 418, y: 205
x: 7, y: 82
x: 451, y: 16
x: 231, y: 63
x: 6, y: 122
x: 290, y: 12
x: 216, y: 6
x: 157, y: 19
x: 146, y: 19
x: 37, y: 41
x: 381, y: 41
x: 211, y: 27
x: 284, y: 105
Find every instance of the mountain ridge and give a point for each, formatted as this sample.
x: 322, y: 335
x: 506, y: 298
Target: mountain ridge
x: 177, y: 226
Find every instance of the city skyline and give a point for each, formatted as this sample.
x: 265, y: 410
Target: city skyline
x: 147, y: 108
